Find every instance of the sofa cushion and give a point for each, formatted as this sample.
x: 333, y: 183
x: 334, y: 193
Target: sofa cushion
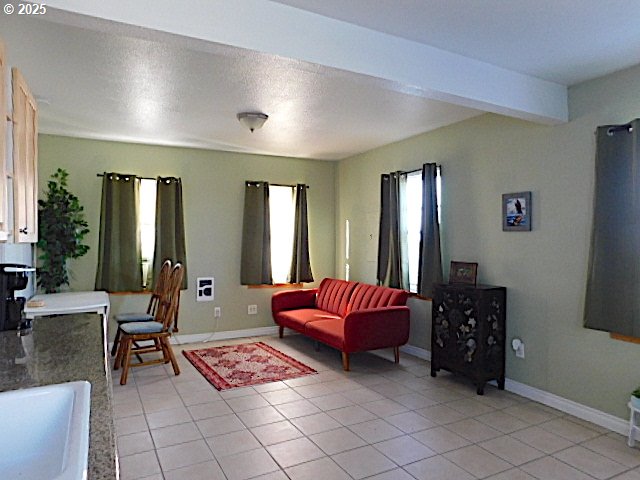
x: 330, y: 332
x: 370, y: 296
x: 333, y: 295
x: 298, y: 319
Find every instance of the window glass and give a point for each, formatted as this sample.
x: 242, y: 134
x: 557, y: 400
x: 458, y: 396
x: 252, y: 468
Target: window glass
x: 147, y: 225
x: 282, y: 216
x: 413, y: 224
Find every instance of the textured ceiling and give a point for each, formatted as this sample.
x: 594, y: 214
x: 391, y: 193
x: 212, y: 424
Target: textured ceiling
x: 100, y: 85
x: 331, y: 87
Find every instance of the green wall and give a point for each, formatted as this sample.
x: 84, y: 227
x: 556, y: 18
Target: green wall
x: 544, y: 270
x: 482, y: 158
x: 213, y: 191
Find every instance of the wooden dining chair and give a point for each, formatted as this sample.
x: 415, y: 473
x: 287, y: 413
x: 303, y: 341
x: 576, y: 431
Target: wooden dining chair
x: 122, y: 318
x: 158, y: 331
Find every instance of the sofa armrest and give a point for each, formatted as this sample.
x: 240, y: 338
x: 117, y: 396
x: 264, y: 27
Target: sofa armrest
x: 374, y: 328
x: 292, y: 299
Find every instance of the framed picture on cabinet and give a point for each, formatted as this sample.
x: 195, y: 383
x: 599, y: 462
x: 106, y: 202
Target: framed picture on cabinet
x: 463, y: 272
x: 516, y: 212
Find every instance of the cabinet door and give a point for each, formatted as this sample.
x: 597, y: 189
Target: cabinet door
x: 25, y: 161
x: 4, y: 228
x: 455, y: 328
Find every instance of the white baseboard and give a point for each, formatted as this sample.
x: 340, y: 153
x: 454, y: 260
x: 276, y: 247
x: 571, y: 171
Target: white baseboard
x: 178, y: 339
x: 610, y: 422
x: 565, y: 405
x: 421, y: 353
x: 615, y: 424
x: 211, y: 337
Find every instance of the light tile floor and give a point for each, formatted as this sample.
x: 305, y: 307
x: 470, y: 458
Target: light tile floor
x: 380, y: 421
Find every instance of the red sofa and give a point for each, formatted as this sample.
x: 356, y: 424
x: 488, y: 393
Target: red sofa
x: 348, y: 316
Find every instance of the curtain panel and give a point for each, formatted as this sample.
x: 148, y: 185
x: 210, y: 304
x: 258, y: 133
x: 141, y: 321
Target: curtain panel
x: 392, y: 260
x: 300, y: 262
x: 255, y: 264
x: 430, y: 267
x: 119, y: 254
x: 170, y: 234
x: 612, y: 302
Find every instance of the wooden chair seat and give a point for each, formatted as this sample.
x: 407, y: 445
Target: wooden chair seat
x: 150, y: 314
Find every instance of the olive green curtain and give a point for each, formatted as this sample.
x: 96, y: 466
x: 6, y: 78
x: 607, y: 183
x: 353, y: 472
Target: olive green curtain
x: 393, y: 268
x: 119, y: 255
x: 170, y: 238
x: 612, y: 302
x: 430, y: 267
x: 255, y: 264
x: 300, y: 262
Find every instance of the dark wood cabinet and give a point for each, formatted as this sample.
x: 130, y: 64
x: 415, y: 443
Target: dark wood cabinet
x: 468, y: 332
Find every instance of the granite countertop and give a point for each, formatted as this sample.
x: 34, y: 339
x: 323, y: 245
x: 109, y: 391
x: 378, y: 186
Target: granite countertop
x: 66, y: 348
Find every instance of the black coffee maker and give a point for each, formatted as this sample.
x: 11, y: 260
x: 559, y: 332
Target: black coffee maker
x: 13, y: 276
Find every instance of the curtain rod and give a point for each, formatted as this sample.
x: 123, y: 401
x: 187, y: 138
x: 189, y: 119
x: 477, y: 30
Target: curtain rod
x: 439, y: 167
x: 255, y: 182
x: 141, y: 178
x: 619, y: 128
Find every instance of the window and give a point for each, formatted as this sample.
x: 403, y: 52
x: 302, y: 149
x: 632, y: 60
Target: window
x: 347, y: 249
x: 409, y: 254
x: 281, y: 219
x: 413, y: 222
x: 141, y: 222
x: 147, y: 205
x: 275, y: 235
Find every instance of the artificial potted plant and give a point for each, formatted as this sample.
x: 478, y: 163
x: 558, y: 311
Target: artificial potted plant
x: 62, y: 228
x: 635, y: 398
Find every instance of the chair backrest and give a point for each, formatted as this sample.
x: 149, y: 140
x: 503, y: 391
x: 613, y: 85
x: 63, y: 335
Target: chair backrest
x: 169, y: 301
x: 161, y: 284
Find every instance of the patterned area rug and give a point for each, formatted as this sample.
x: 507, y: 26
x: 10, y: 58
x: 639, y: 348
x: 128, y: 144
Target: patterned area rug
x: 246, y: 364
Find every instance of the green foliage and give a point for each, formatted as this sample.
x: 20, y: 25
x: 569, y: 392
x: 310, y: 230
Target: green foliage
x: 61, y: 227
x: 636, y: 392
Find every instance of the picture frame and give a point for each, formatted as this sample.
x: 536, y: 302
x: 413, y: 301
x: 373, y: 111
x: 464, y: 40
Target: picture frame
x: 516, y: 212
x: 463, y: 272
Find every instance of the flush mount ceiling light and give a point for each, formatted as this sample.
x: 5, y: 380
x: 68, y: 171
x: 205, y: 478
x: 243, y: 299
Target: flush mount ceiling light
x: 252, y: 120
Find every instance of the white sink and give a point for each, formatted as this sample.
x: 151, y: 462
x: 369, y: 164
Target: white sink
x: 44, y: 432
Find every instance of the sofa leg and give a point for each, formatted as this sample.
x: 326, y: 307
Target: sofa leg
x: 396, y: 354
x: 345, y: 361
x: 280, y: 331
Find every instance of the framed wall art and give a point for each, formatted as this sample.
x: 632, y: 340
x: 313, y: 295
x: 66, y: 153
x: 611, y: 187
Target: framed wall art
x: 516, y: 211
x: 463, y: 272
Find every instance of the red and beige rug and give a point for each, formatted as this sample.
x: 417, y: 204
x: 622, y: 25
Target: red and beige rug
x: 246, y: 364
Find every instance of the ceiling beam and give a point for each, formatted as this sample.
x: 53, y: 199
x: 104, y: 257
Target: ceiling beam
x: 405, y: 66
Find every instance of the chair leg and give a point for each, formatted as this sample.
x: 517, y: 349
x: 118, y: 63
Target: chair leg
x: 396, y: 354
x: 114, y: 349
x: 280, y: 331
x: 127, y: 360
x: 345, y: 361
x: 172, y: 358
x: 117, y: 363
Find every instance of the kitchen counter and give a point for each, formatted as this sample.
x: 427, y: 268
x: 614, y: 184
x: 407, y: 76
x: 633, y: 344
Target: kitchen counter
x: 66, y: 348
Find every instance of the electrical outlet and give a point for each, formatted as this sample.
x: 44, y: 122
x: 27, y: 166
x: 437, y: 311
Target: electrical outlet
x: 252, y: 309
x: 520, y: 351
x: 217, y: 312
